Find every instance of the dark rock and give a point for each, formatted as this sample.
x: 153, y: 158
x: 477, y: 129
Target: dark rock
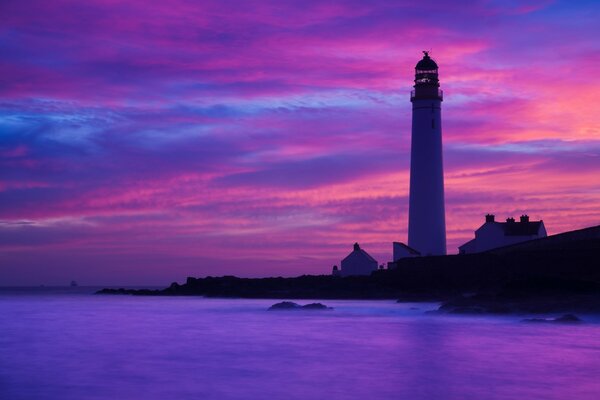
x: 113, y: 291
x: 565, y: 319
x: 568, y: 318
x: 467, y: 310
x: 316, y: 306
x: 499, y: 303
x: 290, y: 305
x: 285, y: 305
x: 537, y: 320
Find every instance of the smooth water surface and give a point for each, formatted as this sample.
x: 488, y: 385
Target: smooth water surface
x: 74, y: 345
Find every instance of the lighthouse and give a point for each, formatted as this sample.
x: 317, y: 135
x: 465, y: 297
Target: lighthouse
x: 426, y: 217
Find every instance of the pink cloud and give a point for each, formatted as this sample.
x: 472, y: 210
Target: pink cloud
x: 264, y: 138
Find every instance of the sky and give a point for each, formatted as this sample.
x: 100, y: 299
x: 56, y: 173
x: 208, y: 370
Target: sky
x: 142, y: 142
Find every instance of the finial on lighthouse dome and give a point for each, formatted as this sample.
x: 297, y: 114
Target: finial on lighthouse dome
x: 427, y: 63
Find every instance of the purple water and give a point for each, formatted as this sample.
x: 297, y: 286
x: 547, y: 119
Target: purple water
x: 77, y: 346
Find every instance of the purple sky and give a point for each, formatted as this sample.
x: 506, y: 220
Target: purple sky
x: 143, y: 142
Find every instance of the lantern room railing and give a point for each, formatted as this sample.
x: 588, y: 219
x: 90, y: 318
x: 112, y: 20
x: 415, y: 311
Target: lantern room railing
x: 426, y: 71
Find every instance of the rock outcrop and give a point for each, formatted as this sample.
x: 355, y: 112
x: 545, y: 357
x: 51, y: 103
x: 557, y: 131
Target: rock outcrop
x: 565, y: 319
x: 290, y: 305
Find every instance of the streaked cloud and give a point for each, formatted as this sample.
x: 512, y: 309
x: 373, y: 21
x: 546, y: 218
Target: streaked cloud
x: 141, y: 142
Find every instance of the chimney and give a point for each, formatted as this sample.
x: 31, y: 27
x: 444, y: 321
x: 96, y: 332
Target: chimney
x: 356, y: 247
x: 510, y: 220
x: 489, y: 218
x: 524, y: 219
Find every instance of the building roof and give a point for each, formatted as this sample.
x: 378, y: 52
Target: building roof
x: 467, y: 244
x: 358, y: 250
x: 554, y: 241
x: 521, y: 228
x: 408, y: 248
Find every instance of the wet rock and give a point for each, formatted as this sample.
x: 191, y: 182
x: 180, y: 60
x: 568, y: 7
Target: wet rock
x: 113, y: 291
x: 537, y: 320
x: 565, y: 319
x: 467, y: 310
x: 290, y: 305
x: 473, y: 304
x: 285, y: 305
x: 316, y: 306
x: 568, y: 318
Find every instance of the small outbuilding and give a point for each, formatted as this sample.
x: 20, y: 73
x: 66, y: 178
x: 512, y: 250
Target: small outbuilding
x: 335, y: 271
x: 402, y: 250
x: 359, y: 262
x: 493, y: 234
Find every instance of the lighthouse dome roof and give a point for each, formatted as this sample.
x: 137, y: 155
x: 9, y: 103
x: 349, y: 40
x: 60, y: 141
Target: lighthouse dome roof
x: 426, y: 64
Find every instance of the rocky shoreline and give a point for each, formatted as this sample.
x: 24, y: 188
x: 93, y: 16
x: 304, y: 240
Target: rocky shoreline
x: 533, y: 304
x: 557, y: 279
x: 521, y: 297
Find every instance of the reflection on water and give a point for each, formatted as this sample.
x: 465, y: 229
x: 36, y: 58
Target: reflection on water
x: 78, y: 346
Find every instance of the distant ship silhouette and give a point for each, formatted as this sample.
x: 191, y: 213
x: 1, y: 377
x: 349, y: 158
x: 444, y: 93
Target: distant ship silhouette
x: 73, y: 283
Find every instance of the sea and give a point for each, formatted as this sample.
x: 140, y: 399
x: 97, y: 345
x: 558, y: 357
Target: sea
x: 70, y: 344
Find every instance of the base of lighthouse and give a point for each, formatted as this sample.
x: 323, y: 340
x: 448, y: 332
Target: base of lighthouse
x: 426, y: 219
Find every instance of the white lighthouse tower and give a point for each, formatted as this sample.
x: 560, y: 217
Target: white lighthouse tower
x: 426, y: 219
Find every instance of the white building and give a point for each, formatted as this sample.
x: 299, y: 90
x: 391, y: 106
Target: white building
x: 359, y: 262
x: 401, y: 250
x: 426, y: 214
x: 494, y: 234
